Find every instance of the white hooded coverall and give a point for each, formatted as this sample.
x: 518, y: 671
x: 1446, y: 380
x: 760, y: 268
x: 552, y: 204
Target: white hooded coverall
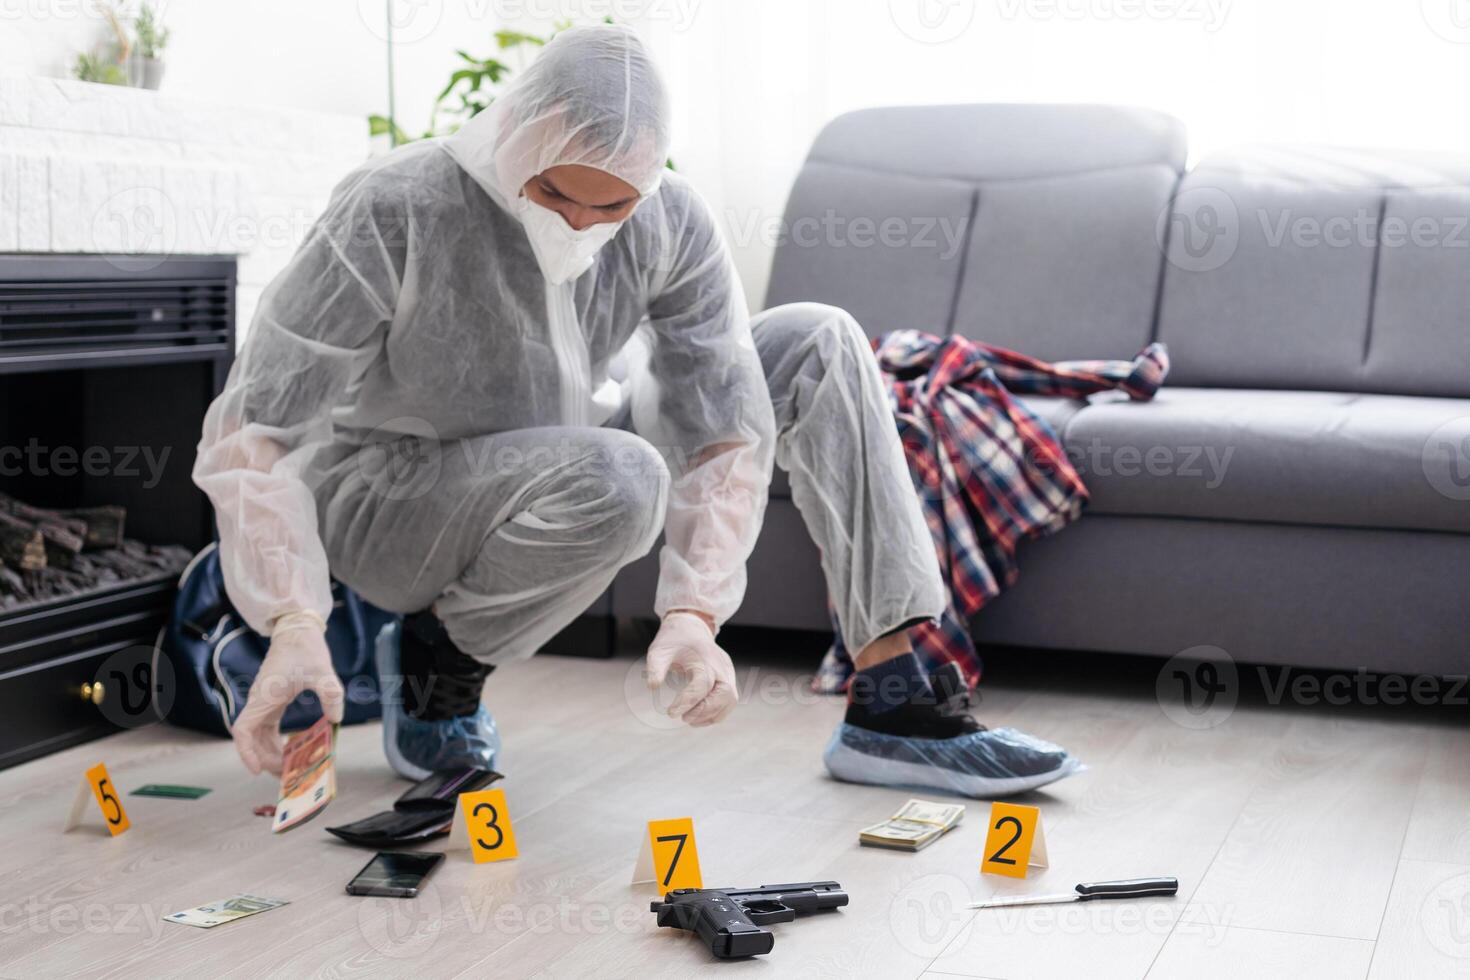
x: 419, y: 412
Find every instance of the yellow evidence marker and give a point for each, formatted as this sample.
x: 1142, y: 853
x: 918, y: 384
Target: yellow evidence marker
x: 487, y: 828
x: 98, y: 785
x: 668, y: 856
x: 1014, y: 841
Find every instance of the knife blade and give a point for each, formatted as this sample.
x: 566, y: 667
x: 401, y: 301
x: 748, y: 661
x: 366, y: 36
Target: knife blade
x: 1086, y: 891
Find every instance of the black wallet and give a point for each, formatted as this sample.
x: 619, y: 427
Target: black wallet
x: 424, y: 812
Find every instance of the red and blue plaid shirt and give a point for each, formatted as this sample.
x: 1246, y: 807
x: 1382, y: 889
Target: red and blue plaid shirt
x: 988, y: 470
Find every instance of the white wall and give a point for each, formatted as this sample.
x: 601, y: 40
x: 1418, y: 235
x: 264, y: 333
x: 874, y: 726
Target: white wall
x: 753, y: 80
x: 323, y: 55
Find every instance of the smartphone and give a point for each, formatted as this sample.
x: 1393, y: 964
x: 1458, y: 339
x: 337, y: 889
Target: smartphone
x: 395, y: 874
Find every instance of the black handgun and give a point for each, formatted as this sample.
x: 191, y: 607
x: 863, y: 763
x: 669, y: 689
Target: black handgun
x: 729, y: 920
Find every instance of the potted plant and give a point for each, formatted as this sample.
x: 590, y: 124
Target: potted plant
x: 148, y: 51
x: 106, y: 64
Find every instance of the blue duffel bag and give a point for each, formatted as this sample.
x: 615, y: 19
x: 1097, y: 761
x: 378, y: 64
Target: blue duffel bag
x: 215, y: 656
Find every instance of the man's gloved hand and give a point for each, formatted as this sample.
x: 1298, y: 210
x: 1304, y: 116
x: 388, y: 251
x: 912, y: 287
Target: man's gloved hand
x: 686, y: 645
x: 298, y: 660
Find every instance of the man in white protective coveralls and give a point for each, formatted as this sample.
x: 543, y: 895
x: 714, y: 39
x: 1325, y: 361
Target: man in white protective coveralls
x: 548, y: 321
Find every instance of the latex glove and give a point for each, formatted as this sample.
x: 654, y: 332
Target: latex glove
x: 685, y: 645
x: 298, y: 660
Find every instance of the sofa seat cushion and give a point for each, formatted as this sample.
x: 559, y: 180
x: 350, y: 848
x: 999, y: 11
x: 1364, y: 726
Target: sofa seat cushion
x: 1300, y: 457
x: 1054, y: 410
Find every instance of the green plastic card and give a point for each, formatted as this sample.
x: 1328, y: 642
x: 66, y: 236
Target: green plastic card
x: 171, y: 792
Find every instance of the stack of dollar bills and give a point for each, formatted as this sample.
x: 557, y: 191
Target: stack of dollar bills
x: 916, y: 825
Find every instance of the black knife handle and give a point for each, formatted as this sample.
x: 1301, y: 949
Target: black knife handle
x: 1132, y: 888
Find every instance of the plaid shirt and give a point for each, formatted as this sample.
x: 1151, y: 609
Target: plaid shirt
x: 988, y: 470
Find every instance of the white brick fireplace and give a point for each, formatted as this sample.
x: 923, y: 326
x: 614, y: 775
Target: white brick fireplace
x: 99, y: 168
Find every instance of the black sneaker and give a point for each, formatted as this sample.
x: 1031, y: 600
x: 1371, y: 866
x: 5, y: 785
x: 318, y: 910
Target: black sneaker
x: 933, y: 742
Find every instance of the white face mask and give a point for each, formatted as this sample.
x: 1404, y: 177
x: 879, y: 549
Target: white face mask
x: 562, y: 252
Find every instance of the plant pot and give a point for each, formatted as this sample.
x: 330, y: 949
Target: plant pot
x: 145, y: 72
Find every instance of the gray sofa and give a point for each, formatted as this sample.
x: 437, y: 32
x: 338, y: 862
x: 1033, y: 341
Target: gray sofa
x: 1299, y: 492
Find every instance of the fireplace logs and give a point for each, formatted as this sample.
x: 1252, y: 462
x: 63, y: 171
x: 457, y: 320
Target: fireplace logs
x: 21, y: 544
x: 47, y: 554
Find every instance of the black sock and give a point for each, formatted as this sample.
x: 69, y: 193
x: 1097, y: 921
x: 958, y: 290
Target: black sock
x: 439, y: 681
x: 890, y: 685
x: 897, y: 697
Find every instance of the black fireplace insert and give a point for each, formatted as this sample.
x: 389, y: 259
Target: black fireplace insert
x: 107, y: 365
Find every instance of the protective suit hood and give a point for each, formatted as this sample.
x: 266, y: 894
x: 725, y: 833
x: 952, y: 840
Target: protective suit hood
x: 592, y: 97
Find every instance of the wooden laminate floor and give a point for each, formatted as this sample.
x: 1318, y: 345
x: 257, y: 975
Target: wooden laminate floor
x: 1308, y: 841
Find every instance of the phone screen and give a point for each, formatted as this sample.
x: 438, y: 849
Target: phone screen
x: 394, y: 873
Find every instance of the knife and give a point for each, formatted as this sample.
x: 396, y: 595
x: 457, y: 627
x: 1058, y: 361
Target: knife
x: 1085, y: 892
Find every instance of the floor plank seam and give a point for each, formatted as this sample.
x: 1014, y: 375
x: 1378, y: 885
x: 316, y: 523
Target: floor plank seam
x: 1403, y: 839
x: 1224, y: 839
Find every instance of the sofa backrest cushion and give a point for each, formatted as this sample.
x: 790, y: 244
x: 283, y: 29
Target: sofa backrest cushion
x: 1420, y: 337
x: 1298, y: 268
x: 1029, y: 226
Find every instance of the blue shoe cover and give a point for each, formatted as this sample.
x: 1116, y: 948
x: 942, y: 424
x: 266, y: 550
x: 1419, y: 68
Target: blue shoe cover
x: 415, y: 748
x: 984, y: 764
